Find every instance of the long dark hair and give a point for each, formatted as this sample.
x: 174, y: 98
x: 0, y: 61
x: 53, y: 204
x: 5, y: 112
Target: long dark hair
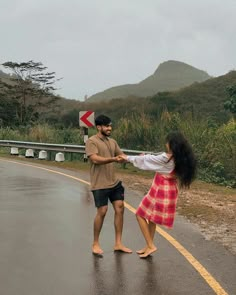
x: 185, y: 161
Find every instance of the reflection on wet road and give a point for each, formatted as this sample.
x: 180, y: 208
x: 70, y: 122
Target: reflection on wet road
x: 46, y: 224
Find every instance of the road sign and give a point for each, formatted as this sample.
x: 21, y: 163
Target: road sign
x: 86, y: 119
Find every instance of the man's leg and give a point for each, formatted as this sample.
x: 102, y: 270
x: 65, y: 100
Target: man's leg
x: 147, y: 235
x: 118, y: 223
x: 98, y: 222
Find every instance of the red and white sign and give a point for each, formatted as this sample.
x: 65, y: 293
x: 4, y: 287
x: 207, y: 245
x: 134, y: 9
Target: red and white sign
x: 86, y: 119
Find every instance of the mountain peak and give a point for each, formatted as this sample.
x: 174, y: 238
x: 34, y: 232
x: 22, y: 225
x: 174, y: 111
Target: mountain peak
x: 170, y: 75
x: 176, y: 66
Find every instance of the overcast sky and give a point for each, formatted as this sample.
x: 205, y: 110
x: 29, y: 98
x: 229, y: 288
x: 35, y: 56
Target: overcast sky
x: 98, y: 44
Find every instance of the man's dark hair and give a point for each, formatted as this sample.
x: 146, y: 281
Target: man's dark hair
x: 102, y: 120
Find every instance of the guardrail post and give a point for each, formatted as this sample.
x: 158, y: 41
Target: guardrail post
x: 29, y: 153
x: 14, y: 151
x: 60, y: 157
x: 85, y: 131
x: 42, y: 155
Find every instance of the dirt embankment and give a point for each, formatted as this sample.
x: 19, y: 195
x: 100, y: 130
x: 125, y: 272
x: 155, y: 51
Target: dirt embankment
x: 212, y: 207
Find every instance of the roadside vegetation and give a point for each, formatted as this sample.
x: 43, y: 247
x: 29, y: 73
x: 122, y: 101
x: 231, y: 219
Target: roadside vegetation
x: 214, y: 145
x: 204, y: 113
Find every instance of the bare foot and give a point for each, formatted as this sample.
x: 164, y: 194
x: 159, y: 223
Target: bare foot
x: 97, y: 250
x: 141, y: 251
x: 122, y: 248
x: 148, y: 252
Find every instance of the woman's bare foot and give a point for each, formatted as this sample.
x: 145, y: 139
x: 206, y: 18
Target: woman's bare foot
x: 148, y: 252
x: 97, y: 249
x: 141, y: 251
x: 122, y: 248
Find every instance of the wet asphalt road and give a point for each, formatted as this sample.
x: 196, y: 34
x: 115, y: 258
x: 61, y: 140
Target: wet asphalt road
x: 46, y: 224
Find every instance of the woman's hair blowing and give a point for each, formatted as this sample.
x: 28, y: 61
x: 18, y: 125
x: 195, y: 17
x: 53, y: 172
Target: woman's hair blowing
x: 185, y: 161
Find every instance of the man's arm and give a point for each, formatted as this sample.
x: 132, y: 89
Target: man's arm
x: 94, y: 158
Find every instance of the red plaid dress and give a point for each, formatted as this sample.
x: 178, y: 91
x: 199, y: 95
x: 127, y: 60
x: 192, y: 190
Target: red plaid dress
x: 159, y: 205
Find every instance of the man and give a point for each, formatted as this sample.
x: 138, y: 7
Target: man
x: 103, y: 152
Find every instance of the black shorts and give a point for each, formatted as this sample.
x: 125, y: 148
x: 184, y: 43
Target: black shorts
x: 115, y: 193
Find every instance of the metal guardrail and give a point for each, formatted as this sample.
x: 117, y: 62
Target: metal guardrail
x: 56, y: 147
x: 43, y: 146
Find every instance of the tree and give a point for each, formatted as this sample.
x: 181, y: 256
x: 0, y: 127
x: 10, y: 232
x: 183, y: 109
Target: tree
x: 7, y: 112
x: 230, y: 104
x: 70, y: 119
x: 31, y: 86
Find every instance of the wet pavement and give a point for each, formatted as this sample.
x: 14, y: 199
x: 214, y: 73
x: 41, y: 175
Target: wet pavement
x: 46, y: 222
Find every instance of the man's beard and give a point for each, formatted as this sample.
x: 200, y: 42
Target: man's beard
x: 105, y: 134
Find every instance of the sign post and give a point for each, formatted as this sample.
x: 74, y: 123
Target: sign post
x: 86, y: 120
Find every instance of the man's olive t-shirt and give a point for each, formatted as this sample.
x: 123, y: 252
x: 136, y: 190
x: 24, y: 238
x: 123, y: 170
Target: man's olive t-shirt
x: 102, y: 176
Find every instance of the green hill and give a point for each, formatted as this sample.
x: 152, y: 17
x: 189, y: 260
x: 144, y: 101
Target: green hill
x: 2, y: 74
x: 204, y: 99
x: 170, y: 75
x: 4, y: 77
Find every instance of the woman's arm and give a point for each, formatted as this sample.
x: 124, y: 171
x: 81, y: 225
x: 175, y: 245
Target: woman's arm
x: 159, y: 163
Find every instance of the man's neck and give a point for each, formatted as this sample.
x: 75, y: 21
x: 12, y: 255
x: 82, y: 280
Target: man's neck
x: 101, y: 136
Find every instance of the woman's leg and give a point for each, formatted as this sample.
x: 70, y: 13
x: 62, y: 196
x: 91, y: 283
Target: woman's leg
x: 152, y: 230
x: 148, y: 231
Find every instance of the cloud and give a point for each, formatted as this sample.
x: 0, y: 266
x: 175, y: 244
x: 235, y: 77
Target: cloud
x: 99, y: 44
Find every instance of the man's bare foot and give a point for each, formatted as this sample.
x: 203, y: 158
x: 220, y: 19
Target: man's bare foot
x: 97, y: 250
x: 148, y: 252
x: 142, y: 251
x: 122, y: 248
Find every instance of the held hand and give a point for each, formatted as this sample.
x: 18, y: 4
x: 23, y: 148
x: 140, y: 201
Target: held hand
x: 121, y: 158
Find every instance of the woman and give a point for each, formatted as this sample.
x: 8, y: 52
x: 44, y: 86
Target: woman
x: 175, y: 166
